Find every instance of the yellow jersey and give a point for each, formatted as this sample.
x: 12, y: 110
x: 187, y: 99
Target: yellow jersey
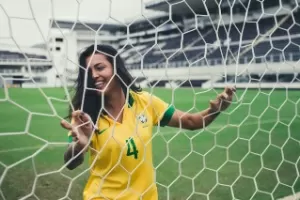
x: 121, y: 153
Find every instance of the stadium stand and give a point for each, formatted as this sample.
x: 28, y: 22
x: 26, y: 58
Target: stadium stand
x: 17, y: 55
x: 275, y: 46
x: 180, y: 41
x: 22, y: 68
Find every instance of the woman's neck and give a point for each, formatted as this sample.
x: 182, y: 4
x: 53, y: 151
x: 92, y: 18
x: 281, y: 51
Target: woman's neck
x: 114, y: 102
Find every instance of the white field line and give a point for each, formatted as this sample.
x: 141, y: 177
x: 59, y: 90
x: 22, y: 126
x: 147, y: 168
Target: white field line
x: 20, y: 149
x: 233, y: 125
x: 164, y: 133
x: 292, y: 197
x: 269, y: 121
x: 50, y: 145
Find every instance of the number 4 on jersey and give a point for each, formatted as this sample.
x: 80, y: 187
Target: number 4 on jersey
x: 131, y: 148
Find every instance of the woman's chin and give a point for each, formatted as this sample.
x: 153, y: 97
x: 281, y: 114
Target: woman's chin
x: 101, y: 90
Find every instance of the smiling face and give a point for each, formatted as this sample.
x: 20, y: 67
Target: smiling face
x: 102, y: 73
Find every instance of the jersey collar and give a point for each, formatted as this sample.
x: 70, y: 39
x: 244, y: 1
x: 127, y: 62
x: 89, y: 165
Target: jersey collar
x: 130, y: 100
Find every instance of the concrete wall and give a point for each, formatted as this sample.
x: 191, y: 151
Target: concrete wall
x: 186, y: 73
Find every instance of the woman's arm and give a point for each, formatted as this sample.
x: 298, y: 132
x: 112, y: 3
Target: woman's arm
x: 194, y: 121
x: 72, y: 151
x: 81, y: 130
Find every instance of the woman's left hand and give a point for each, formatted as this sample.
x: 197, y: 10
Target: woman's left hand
x: 223, y: 100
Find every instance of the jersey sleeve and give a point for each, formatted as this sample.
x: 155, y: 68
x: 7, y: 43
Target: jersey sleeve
x: 162, y: 112
x: 70, y: 138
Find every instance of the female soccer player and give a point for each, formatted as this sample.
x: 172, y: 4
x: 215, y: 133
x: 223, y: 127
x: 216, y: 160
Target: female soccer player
x: 113, y: 120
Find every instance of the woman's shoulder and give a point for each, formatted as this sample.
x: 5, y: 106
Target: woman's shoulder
x: 141, y: 96
x: 138, y: 94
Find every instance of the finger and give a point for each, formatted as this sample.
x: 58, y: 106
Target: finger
x: 220, y: 99
x: 77, y: 117
x: 85, y: 117
x: 229, y: 90
x: 224, y: 96
x: 216, y: 101
x: 76, y: 114
x: 66, y: 125
x: 214, y: 104
x: 74, y: 139
x: 74, y: 134
x: 234, y: 89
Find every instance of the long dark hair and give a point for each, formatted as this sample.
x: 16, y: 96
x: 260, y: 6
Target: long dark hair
x: 92, y: 100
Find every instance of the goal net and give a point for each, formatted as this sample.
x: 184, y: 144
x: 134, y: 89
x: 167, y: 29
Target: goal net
x: 185, y: 55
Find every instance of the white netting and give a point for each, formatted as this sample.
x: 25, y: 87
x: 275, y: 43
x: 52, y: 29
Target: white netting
x: 185, y: 56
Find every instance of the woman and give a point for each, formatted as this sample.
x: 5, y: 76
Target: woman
x: 115, y: 126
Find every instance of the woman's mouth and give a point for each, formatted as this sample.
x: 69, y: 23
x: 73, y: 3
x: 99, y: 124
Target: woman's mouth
x: 99, y: 84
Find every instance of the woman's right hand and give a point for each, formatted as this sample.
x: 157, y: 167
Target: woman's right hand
x: 81, y: 128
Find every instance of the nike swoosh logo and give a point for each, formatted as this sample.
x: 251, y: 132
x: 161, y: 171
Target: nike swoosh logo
x: 99, y: 132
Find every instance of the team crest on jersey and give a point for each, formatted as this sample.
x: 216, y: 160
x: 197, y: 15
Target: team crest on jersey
x: 142, y: 118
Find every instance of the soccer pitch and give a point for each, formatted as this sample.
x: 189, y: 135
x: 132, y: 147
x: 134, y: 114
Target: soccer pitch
x: 251, y: 151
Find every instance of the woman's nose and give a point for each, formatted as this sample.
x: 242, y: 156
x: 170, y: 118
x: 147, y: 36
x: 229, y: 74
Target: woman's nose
x: 95, y: 74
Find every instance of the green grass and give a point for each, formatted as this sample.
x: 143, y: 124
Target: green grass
x: 251, y: 151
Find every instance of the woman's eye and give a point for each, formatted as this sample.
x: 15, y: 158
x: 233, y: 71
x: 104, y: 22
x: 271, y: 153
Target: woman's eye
x: 99, y: 67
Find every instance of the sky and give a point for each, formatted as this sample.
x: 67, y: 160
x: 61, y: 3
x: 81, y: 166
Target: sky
x: 26, y: 22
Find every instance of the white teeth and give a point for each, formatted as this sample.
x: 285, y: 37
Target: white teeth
x: 99, y: 83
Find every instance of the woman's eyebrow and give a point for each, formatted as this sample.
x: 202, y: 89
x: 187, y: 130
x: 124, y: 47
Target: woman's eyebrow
x: 98, y: 63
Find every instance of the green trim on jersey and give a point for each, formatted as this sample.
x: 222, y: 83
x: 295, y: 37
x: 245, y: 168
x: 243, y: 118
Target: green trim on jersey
x: 70, y: 139
x: 167, y: 116
x: 130, y: 100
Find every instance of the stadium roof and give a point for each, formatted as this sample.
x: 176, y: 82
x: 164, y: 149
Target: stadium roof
x: 190, y: 7
x: 180, y: 7
x: 106, y: 26
x: 62, y: 24
x: 110, y: 26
